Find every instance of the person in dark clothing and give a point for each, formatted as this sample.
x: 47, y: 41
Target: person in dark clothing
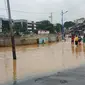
x: 72, y: 39
x: 43, y: 41
x: 37, y: 41
x: 84, y: 40
x: 79, y: 40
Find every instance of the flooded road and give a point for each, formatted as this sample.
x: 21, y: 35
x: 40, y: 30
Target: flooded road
x: 37, y: 60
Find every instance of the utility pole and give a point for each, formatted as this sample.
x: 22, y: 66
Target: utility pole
x: 62, y: 25
x: 11, y: 31
x: 62, y: 13
x: 51, y: 17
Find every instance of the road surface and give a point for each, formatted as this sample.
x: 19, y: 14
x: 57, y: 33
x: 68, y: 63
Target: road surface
x: 35, y: 62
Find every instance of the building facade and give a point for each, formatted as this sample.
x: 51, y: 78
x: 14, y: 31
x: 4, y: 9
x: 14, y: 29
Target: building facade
x: 31, y: 26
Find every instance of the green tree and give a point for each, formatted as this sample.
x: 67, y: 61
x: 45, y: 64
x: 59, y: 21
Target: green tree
x: 58, y: 27
x: 45, y: 25
x: 68, y: 24
x: 18, y: 27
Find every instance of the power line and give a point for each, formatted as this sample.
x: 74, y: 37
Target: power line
x: 24, y: 11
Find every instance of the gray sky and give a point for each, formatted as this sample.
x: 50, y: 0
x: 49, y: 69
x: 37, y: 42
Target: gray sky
x: 40, y: 9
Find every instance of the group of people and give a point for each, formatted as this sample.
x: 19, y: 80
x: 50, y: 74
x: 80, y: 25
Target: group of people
x: 77, y: 39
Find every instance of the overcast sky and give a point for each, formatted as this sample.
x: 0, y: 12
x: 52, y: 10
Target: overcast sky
x: 41, y: 9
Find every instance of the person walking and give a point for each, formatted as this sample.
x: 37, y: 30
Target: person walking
x: 76, y: 40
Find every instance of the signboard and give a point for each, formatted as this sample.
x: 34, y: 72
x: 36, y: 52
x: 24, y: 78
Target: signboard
x: 43, y: 32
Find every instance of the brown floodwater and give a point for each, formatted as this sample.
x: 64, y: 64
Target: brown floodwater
x: 36, y: 60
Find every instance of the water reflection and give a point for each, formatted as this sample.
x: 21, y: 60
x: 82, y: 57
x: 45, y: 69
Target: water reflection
x: 14, y: 73
x: 76, y: 51
x: 72, y: 47
x: 26, y: 47
x: 80, y: 49
x: 39, y: 61
x: 6, y: 66
x: 84, y: 49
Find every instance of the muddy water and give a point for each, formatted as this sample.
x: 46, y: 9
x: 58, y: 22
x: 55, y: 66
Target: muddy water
x: 34, y: 60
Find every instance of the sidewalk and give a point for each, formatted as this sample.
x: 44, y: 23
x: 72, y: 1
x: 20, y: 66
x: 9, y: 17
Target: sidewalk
x: 69, y: 77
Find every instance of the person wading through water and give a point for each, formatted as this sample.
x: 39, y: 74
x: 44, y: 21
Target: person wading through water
x: 79, y: 39
x: 76, y: 40
x: 72, y: 39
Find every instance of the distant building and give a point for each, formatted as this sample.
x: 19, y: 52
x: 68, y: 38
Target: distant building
x: 4, y: 25
x: 31, y: 26
x: 79, y: 21
x: 79, y: 26
x: 25, y: 25
x: 20, y: 25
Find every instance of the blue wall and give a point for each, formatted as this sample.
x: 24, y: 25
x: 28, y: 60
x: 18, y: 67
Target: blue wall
x: 41, y: 40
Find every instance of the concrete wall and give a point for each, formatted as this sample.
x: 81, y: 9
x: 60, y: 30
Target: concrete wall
x: 52, y: 37
x: 29, y: 39
x: 5, y: 41
x: 18, y: 41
